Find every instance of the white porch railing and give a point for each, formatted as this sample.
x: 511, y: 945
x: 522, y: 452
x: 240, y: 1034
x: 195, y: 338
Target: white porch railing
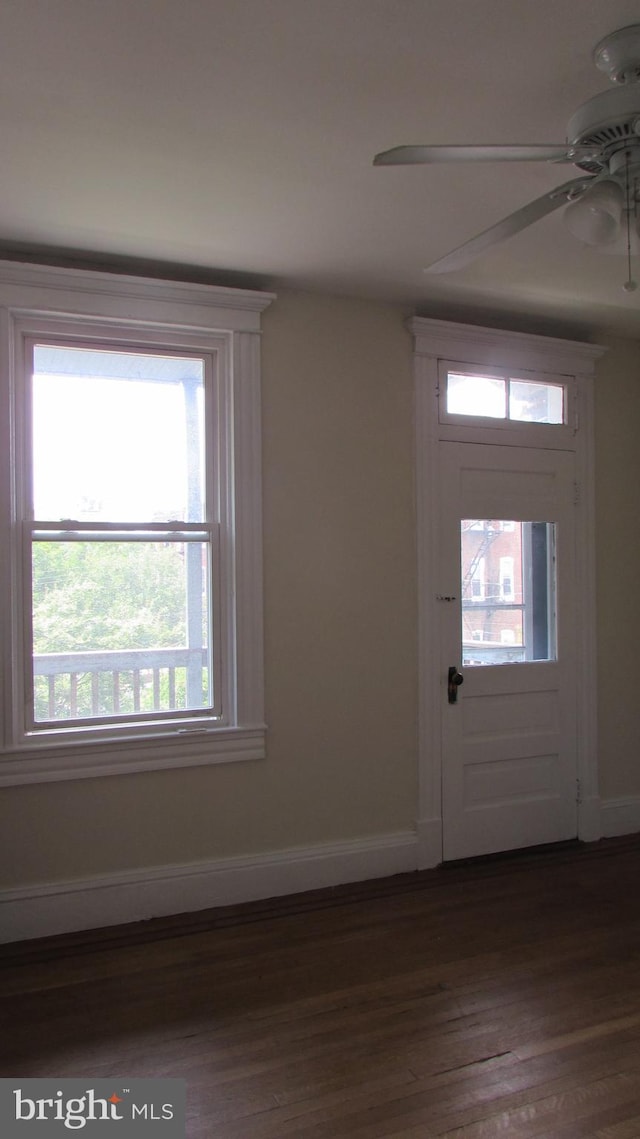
x: 93, y: 684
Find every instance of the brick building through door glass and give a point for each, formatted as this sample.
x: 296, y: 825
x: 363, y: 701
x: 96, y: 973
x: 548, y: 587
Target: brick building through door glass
x: 508, y: 591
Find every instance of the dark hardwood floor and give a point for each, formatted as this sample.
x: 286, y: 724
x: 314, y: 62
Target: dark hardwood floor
x: 493, y: 999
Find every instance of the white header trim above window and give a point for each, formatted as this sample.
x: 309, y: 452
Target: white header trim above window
x: 493, y: 347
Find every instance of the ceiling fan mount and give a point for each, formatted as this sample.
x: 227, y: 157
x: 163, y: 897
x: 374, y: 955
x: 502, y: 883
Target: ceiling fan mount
x: 603, y: 142
x: 618, y: 55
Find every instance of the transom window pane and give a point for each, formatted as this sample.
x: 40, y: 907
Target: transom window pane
x: 476, y: 395
x: 508, y: 591
x: 117, y: 436
x: 503, y: 397
x: 536, y: 403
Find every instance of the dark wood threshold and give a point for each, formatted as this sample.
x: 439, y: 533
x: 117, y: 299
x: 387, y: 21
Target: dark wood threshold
x: 522, y: 852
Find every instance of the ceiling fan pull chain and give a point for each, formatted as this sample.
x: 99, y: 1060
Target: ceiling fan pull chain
x: 630, y: 285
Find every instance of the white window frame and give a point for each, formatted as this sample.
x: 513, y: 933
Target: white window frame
x: 490, y: 429
x: 508, y: 376
x: 216, y: 530
x: 222, y: 325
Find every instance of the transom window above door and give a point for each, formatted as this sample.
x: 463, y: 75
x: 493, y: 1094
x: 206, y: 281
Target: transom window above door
x: 469, y: 393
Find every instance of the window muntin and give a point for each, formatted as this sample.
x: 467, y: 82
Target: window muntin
x: 514, y: 615
x: 120, y: 625
x: 499, y: 395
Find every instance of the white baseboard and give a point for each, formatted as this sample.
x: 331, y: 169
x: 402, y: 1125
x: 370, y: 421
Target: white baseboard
x: 620, y: 816
x: 90, y: 903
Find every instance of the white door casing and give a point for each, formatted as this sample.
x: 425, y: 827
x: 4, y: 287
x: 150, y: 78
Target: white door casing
x: 491, y: 348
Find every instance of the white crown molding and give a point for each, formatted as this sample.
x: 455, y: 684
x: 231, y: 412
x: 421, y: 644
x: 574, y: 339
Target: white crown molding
x: 52, y: 908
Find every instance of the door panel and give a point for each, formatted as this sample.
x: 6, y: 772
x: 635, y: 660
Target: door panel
x: 509, y: 740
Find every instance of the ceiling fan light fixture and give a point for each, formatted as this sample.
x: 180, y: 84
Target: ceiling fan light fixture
x: 596, y: 217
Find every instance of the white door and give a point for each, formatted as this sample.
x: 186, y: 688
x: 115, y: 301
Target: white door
x: 508, y: 628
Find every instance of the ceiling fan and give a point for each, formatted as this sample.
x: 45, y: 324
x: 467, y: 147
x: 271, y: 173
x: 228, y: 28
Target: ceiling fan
x: 603, y: 142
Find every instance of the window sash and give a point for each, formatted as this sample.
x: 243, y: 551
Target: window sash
x: 207, y: 532
x: 128, y: 660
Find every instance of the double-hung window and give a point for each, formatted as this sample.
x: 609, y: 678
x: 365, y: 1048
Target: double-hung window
x: 131, y: 519
x: 122, y: 542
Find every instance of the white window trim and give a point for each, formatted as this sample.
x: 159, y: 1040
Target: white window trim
x: 475, y: 346
x: 201, y: 318
x: 547, y: 359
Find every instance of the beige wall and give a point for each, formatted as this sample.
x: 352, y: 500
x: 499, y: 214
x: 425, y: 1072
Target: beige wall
x: 340, y: 594
x: 618, y: 565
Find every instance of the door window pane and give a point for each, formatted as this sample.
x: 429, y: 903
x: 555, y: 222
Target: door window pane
x: 508, y: 591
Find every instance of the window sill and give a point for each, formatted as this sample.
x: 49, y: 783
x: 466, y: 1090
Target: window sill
x: 68, y: 759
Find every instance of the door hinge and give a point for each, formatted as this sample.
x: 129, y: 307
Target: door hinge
x: 578, y: 791
x: 576, y: 494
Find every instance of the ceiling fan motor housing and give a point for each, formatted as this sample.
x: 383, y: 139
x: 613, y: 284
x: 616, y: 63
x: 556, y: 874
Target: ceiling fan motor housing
x: 610, y: 122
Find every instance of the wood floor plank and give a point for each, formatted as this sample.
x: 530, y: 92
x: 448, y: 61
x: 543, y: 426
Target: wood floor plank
x: 482, y: 1001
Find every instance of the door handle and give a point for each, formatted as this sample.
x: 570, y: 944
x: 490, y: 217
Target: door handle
x: 454, y: 680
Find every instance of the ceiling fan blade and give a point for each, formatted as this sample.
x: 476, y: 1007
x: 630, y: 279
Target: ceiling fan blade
x: 421, y: 155
x: 510, y: 225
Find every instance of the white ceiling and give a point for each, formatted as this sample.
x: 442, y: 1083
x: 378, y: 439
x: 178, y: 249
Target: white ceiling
x: 236, y: 136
